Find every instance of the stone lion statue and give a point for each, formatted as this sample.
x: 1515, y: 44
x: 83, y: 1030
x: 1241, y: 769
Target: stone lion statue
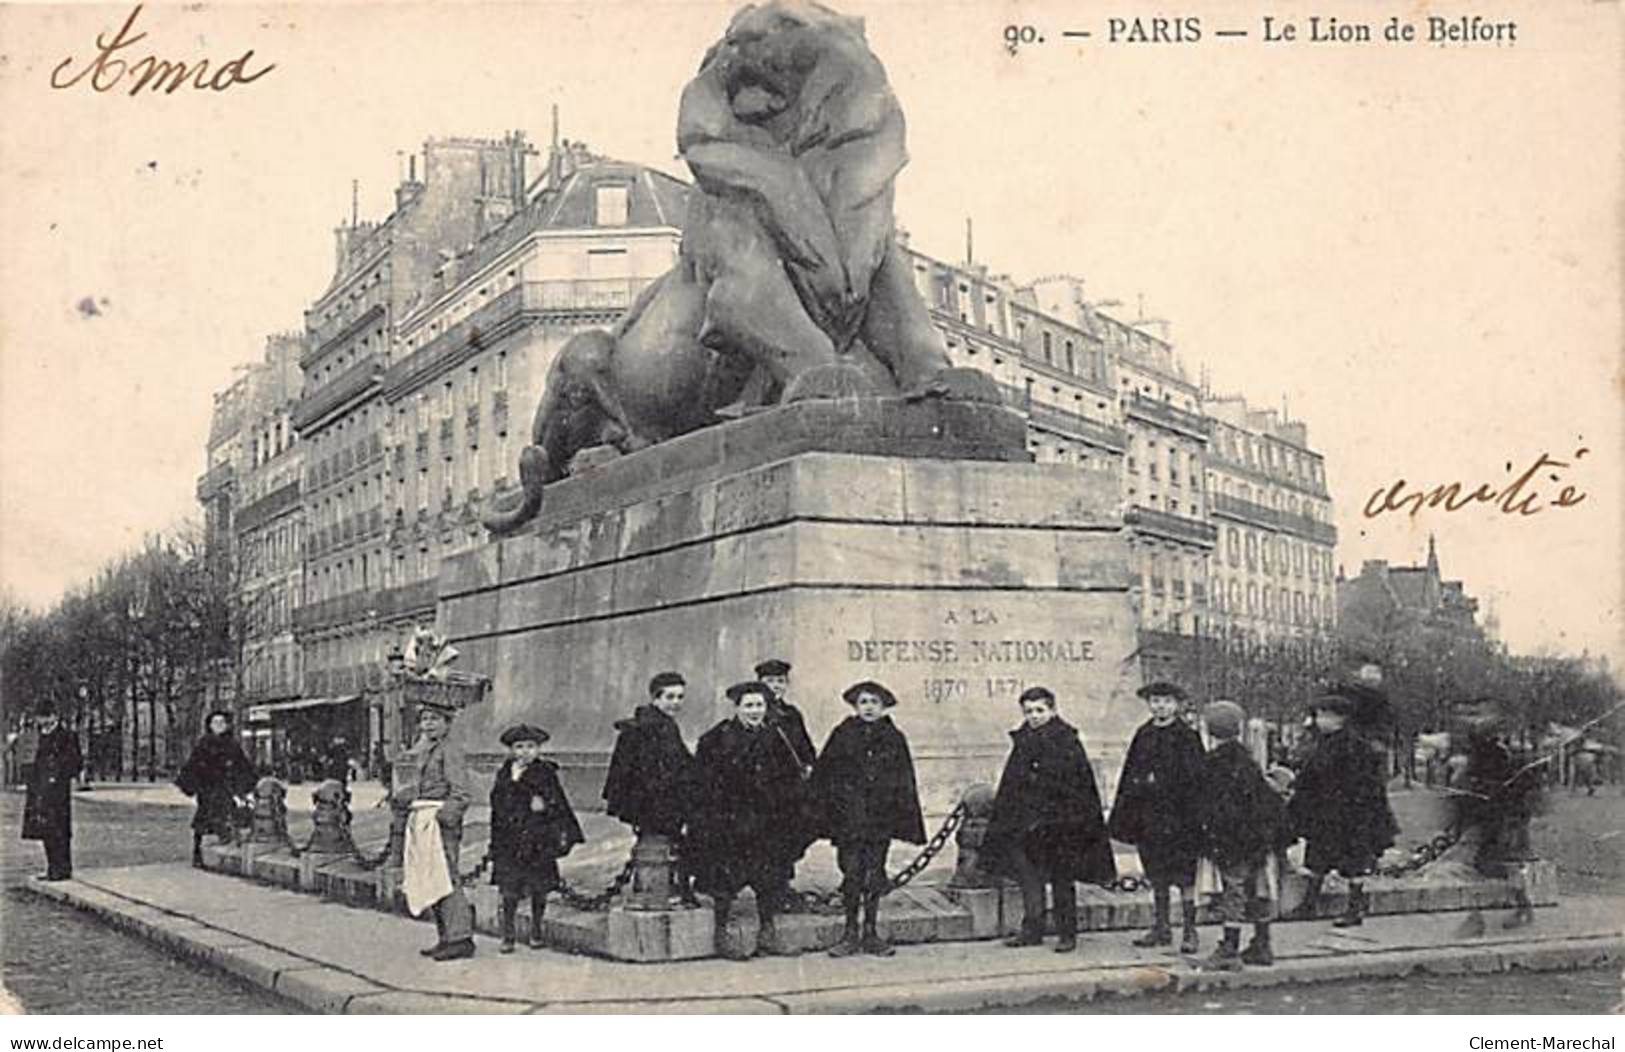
x: 789, y: 282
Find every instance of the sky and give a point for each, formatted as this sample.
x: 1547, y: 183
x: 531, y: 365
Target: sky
x: 1415, y: 248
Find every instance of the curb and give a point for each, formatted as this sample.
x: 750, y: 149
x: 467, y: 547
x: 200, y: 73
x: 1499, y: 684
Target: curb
x: 314, y: 985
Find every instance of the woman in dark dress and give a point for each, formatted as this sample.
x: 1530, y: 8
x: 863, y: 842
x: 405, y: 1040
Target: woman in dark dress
x: 737, y: 834
x: 532, y: 827
x: 217, y: 773
x: 1046, y: 826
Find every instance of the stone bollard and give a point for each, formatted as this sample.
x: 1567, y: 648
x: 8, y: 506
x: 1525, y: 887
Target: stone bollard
x: 971, y: 887
x: 270, y: 813
x: 978, y: 803
x: 331, y: 815
x: 653, y: 881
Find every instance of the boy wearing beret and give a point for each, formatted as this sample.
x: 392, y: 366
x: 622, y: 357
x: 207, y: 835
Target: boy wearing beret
x: 532, y: 827
x: 864, y: 783
x: 1158, y: 810
x: 1340, y: 805
x: 1243, y: 820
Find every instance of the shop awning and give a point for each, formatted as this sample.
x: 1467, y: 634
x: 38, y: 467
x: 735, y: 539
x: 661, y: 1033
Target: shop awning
x: 260, y: 713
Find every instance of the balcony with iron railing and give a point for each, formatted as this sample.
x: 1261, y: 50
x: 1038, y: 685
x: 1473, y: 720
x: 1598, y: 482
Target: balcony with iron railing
x: 1168, y: 416
x: 340, y: 609
x: 1172, y: 527
x: 347, y: 385
x: 1054, y: 418
x: 1246, y: 511
x: 492, y: 321
x: 407, y: 599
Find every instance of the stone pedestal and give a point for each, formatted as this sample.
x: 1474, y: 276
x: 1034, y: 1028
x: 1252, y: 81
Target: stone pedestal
x: 908, y: 542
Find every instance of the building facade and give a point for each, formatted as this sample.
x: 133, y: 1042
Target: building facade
x: 469, y: 188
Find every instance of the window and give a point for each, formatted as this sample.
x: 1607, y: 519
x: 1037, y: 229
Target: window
x: 610, y: 205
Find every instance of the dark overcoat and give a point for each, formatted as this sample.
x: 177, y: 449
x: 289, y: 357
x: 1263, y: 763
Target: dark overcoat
x: 1340, y: 806
x: 526, y: 844
x: 1159, y: 792
x: 1048, y: 804
x: 651, y: 779
x: 745, y: 820
x: 789, y: 720
x: 48, y: 808
x: 216, y: 771
x: 864, y: 784
x: 1243, y: 818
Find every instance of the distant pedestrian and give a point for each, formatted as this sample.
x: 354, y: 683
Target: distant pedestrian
x: 1500, y: 796
x: 865, y: 786
x: 738, y: 836
x: 48, y: 808
x: 1046, y: 827
x: 1340, y: 807
x: 532, y: 827
x: 1585, y: 771
x: 1243, y: 821
x: 218, y: 775
x: 651, y: 781
x: 1158, y: 810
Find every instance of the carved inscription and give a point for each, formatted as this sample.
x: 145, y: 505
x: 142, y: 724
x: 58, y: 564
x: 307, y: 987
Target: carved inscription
x: 977, y: 656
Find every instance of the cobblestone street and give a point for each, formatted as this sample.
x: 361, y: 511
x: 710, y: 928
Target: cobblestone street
x: 56, y: 960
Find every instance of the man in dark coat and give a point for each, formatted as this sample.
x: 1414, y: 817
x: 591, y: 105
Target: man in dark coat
x: 1340, y: 806
x: 1046, y: 825
x: 738, y: 838
x: 1158, y: 810
x: 217, y: 773
x: 788, y: 723
x: 48, y: 809
x: 532, y: 827
x: 1500, y: 795
x: 1243, y: 821
x: 650, y: 784
x: 864, y: 784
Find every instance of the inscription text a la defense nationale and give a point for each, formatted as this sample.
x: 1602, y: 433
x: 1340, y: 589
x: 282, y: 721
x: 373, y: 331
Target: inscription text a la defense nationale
x: 987, y: 652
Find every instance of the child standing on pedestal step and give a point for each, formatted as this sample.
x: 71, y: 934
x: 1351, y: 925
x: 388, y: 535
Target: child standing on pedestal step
x: 532, y: 827
x: 864, y: 784
x: 1158, y: 810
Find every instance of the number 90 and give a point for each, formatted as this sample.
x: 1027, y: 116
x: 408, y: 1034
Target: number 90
x: 1014, y: 36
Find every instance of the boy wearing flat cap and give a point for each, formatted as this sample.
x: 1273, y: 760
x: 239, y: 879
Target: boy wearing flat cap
x: 864, y: 783
x: 1158, y: 810
x: 1340, y: 805
x: 1242, y: 820
x: 789, y: 725
x: 532, y: 827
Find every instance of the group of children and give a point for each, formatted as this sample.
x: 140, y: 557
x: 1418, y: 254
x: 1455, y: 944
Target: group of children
x: 1178, y: 804
x: 742, y: 808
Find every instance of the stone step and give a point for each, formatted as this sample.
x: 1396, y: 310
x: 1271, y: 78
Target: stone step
x: 913, y: 914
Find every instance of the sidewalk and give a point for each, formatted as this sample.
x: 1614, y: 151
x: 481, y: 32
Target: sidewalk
x: 334, y: 958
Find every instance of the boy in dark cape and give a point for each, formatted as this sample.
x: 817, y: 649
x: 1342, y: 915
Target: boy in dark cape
x: 1046, y: 826
x: 532, y: 827
x: 650, y: 784
x: 865, y: 786
x: 1158, y: 810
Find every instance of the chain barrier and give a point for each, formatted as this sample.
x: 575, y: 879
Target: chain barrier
x: 1424, y: 855
x: 931, y: 850
x: 600, y: 901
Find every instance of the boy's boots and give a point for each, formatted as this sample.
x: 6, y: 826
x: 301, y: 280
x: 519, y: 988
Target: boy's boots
x: 873, y: 944
x: 1188, y: 942
x: 1031, y: 933
x: 1258, y: 951
x: 506, y: 915
x: 197, y: 850
x: 538, y: 910
x: 720, y: 908
x: 1161, y: 934
x: 1310, y: 905
x: 1354, y: 912
x: 1066, y: 919
x: 1227, y: 958
x: 851, y: 942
